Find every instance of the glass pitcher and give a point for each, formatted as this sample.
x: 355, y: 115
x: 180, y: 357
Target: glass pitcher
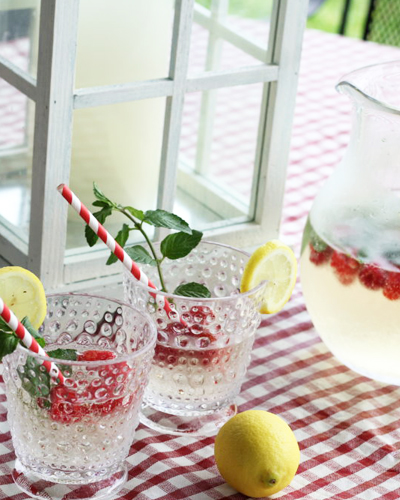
x: 350, y: 258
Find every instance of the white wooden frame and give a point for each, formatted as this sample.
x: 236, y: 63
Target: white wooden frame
x: 56, y: 98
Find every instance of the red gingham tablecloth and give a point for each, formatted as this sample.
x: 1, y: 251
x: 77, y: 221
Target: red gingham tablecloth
x: 347, y: 426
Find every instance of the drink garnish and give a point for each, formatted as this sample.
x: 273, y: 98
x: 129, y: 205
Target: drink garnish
x: 276, y: 263
x: 174, y: 246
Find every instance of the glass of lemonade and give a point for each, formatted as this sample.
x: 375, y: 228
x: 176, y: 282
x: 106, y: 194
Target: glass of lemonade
x: 71, y: 439
x: 203, y: 348
x: 350, y: 263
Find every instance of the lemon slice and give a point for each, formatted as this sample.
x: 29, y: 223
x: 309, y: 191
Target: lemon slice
x: 23, y: 293
x: 276, y: 263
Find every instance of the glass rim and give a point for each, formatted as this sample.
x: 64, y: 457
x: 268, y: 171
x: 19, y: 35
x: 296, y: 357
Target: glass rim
x: 119, y: 359
x: 345, y: 81
x: 209, y: 300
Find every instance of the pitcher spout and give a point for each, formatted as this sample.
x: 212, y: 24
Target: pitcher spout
x: 376, y: 86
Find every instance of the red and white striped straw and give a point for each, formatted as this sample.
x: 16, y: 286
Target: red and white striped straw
x: 115, y: 248
x: 29, y: 341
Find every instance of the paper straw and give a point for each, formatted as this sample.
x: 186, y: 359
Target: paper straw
x: 29, y: 341
x: 115, y: 248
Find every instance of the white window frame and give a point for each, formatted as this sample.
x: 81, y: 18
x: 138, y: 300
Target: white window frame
x: 55, y: 98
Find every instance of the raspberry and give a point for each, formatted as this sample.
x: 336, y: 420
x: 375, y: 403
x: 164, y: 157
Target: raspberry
x: 346, y: 268
x: 171, y: 355
x: 372, y: 277
x: 94, y: 355
x: 65, y: 407
x: 319, y: 258
x: 391, y: 289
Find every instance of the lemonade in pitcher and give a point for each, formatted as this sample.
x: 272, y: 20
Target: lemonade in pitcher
x: 350, y: 261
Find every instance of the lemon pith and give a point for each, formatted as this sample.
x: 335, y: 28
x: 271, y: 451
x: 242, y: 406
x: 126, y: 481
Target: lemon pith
x: 276, y: 263
x: 257, y: 453
x: 23, y: 293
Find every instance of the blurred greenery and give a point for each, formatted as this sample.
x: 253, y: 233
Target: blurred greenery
x: 326, y: 18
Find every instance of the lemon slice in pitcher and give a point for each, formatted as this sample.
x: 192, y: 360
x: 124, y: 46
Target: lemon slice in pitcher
x: 23, y: 292
x: 276, y: 263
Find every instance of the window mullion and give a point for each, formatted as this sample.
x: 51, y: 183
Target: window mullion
x: 174, y: 106
x: 52, y: 140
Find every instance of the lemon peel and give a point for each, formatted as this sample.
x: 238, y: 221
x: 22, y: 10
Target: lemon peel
x: 276, y: 263
x: 257, y: 453
x: 23, y: 292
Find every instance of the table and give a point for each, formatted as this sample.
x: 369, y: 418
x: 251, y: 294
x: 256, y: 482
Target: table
x: 347, y: 425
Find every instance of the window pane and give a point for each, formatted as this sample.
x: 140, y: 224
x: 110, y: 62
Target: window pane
x: 19, y: 22
x: 16, y: 142
x: 231, y: 37
x: 123, y: 41
x: 217, y: 155
x: 118, y: 147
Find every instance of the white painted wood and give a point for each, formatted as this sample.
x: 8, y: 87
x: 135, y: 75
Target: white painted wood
x: 174, y: 107
x: 218, y: 12
x: 232, y: 78
x: 18, y: 78
x: 13, y: 249
x: 284, y: 49
x: 56, y: 99
x: 113, y: 94
x: 52, y: 140
x: 202, y: 16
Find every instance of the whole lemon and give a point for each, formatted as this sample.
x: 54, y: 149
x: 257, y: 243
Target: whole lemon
x: 257, y: 453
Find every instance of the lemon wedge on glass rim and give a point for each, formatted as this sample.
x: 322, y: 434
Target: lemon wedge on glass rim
x: 23, y: 292
x: 276, y: 263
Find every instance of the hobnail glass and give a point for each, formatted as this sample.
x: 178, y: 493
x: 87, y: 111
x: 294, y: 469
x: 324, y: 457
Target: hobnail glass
x: 75, y: 436
x: 203, y: 348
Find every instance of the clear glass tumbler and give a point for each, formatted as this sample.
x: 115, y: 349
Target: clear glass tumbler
x: 71, y: 439
x: 203, y: 348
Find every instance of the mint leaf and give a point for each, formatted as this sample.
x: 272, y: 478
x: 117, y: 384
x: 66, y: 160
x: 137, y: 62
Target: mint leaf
x: 102, y: 204
x: 139, y: 214
x: 101, y: 216
x: 193, y: 290
x: 121, y: 238
x: 8, y: 343
x: 101, y: 196
x: 178, y: 245
x: 67, y: 354
x: 27, y: 324
x: 35, y: 380
x: 162, y: 218
x: 140, y: 255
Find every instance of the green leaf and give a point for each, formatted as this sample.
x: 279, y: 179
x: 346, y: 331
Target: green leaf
x: 121, y: 238
x: 101, y: 196
x: 178, y: 245
x: 35, y: 380
x: 99, y: 203
x: 139, y: 214
x: 140, y: 255
x: 27, y: 324
x: 193, y: 290
x: 101, y: 216
x: 162, y: 218
x: 67, y: 354
x: 8, y: 343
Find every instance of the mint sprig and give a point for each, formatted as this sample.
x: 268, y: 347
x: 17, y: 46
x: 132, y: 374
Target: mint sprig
x: 174, y: 246
x: 9, y: 339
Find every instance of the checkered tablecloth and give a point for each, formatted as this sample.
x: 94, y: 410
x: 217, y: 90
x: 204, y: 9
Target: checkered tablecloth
x: 347, y: 426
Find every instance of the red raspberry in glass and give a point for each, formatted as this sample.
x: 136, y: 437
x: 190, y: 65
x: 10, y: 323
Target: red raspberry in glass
x: 391, y: 289
x: 372, y: 276
x: 346, y: 268
x: 109, y: 383
x: 65, y: 407
x: 94, y: 355
x: 319, y: 258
